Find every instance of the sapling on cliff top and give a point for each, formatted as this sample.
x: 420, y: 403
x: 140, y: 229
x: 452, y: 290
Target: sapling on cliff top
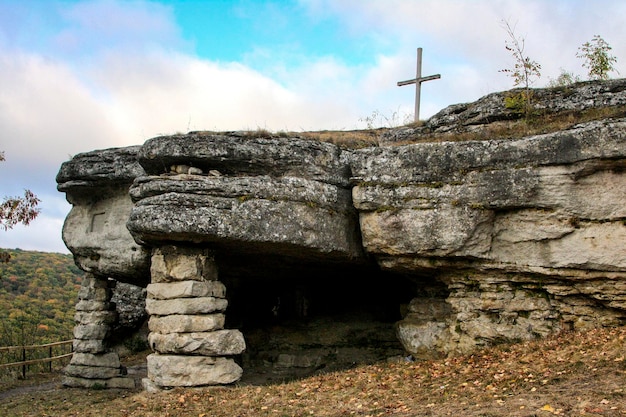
x: 524, y: 72
x: 597, y: 58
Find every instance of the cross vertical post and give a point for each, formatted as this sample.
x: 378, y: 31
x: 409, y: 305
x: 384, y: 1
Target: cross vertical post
x: 418, y: 84
x: 418, y: 80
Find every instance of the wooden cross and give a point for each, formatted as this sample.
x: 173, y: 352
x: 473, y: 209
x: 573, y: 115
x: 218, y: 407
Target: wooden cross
x: 418, y: 80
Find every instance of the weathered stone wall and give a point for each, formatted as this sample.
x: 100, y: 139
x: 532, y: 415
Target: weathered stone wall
x: 527, y: 235
x: 500, y: 240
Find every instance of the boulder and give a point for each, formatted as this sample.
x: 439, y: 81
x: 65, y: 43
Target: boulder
x: 179, y: 263
x: 90, y: 346
x: 130, y: 307
x: 92, y: 372
x: 286, y: 216
x: 91, y: 331
x: 108, y: 360
x: 96, y: 184
x: 423, y: 339
x: 95, y: 294
x: 98, y: 169
x: 93, y: 306
x: 191, y: 371
x: 243, y: 154
x: 96, y: 317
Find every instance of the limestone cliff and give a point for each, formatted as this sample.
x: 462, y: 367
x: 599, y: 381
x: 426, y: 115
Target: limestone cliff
x: 526, y: 237
x: 462, y: 243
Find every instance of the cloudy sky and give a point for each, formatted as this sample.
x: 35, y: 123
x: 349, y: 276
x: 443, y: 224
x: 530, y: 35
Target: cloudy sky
x: 82, y: 75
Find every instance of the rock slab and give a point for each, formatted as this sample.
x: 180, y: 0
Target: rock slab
x: 191, y: 371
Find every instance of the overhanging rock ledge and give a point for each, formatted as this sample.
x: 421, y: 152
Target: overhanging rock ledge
x: 293, y: 254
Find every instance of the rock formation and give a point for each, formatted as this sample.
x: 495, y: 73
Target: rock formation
x: 459, y: 243
x: 300, y: 185
x: 527, y: 236
x: 96, y: 184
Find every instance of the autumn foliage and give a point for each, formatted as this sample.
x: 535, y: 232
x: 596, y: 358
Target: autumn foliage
x: 15, y: 210
x: 38, y: 292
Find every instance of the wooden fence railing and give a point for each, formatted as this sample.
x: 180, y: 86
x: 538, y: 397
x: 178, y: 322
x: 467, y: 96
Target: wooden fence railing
x: 25, y: 361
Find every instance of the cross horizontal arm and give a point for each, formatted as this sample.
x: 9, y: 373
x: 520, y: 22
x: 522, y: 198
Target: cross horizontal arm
x: 420, y: 80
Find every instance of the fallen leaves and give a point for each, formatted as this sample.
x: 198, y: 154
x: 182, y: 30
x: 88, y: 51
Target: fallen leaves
x: 490, y: 382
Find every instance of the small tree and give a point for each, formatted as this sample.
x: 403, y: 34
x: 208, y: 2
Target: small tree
x: 564, y: 79
x: 597, y: 58
x: 524, y: 72
x: 16, y: 210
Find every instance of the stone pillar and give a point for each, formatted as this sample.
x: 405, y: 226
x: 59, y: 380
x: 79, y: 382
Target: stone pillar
x: 93, y: 365
x: 186, y: 304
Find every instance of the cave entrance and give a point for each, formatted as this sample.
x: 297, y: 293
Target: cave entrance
x: 302, y: 319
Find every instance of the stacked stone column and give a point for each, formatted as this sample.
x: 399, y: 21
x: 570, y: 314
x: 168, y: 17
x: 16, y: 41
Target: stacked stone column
x: 93, y: 365
x: 186, y: 304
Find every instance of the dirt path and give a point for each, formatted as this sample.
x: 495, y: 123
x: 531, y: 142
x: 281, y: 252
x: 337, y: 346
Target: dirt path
x: 48, y: 386
x: 136, y: 372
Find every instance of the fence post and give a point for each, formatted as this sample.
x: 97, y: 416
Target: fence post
x: 23, y: 360
x: 50, y: 356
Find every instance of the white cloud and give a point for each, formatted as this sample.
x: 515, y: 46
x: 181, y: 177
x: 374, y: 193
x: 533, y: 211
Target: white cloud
x: 46, y: 111
x: 163, y: 94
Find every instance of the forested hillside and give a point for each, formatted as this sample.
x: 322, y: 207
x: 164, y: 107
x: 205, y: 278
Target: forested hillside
x: 38, y: 292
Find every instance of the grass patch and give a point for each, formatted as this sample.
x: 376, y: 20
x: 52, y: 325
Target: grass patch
x: 348, y: 139
x: 516, y: 129
x: 574, y: 373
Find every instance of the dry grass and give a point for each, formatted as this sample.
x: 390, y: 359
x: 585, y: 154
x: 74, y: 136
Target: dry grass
x: 512, y: 129
x: 516, y: 129
x: 577, y: 373
x: 351, y: 139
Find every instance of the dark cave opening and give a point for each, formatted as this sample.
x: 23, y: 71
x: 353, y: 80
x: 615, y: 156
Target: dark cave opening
x: 307, y: 318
